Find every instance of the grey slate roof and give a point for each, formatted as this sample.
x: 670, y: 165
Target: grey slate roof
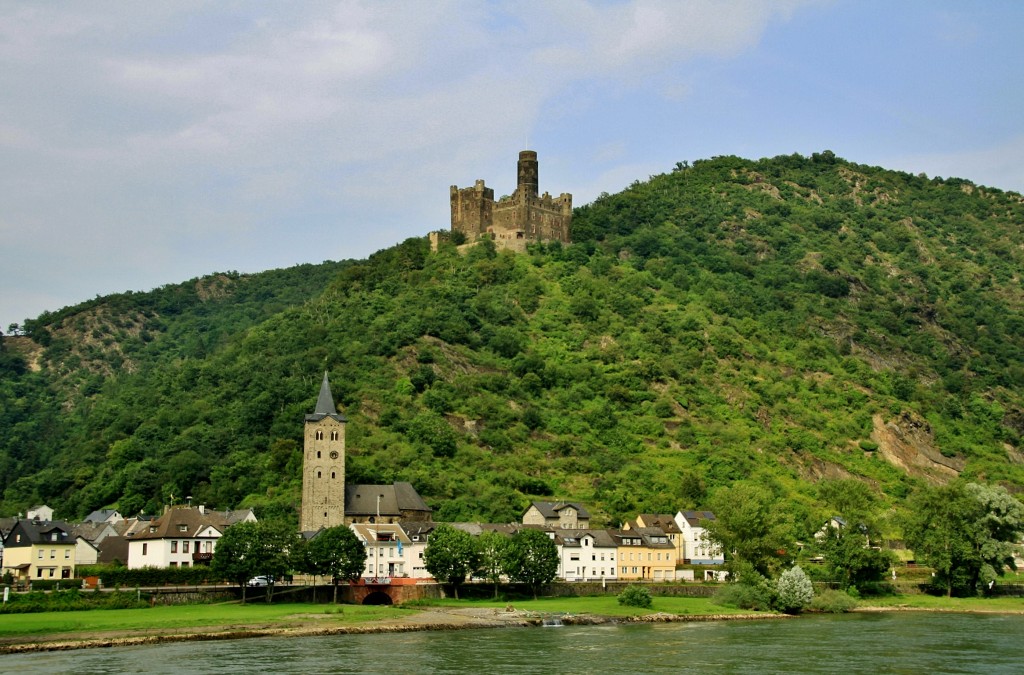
x: 694, y: 517
x: 38, y: 532
x: 551, y: 509
x: 325, y: 405
x: 99, y: 515
x: 361, y: 500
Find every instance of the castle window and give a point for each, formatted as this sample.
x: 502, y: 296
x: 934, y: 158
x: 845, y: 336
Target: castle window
x: 334, y: 435
x: 318, y: 454
x: 320, y: 435
x: 325, y: 514
x: 318, y: 474
x: 332, y: 475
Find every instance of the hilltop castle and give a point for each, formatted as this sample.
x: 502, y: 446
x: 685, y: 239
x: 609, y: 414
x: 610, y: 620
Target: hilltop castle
x: 513, y: 221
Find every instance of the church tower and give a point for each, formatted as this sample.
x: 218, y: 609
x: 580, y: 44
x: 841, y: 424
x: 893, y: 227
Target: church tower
x: 323, y: 465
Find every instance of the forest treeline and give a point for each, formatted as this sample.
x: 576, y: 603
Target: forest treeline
x: 729, y: 320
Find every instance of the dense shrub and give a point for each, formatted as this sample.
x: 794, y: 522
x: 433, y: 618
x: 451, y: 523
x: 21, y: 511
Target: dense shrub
x: 832, y: 601
x: 756, y: 593
x: 635, y: 596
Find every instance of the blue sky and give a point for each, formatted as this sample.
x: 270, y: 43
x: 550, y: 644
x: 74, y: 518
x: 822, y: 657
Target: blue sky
x: 148, y: 143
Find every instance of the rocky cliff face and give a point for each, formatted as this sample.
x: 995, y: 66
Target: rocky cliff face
x: 907, y: 442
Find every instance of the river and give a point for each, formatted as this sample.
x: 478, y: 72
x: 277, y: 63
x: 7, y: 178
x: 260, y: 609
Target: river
x: 894, y: 642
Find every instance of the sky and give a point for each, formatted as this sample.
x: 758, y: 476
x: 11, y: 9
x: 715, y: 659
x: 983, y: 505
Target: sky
x: 144, y: 144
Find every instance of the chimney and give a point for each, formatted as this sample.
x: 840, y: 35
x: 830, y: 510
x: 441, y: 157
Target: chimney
x: 202, y: 509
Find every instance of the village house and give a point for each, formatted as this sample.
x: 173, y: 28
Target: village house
x: 645, y: 554
x: 388, y: 550
x: 183, y: 536
x: 36, y: 549
x: 586, y: 555
x: 697, y: 550
x: 563, y: 515
x: 667, y: 524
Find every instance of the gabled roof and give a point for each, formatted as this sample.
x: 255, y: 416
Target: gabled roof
x: 113, y: 549
x: 693, y: 518
x: 102, y: 515
x: 361, y: 500
x: 168, y: 526
x: 552, y: 509
x: 325, y: 405
x: 663, y: 520
x: 92, y: 530
x: 574, y: 538
x: 374, y: 532
x: 38, y: 532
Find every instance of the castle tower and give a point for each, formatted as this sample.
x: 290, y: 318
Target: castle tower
x: 528, y: 181
x: 323, y: 465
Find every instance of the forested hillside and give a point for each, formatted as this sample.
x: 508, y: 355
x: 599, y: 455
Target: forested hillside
x: 794, y: 321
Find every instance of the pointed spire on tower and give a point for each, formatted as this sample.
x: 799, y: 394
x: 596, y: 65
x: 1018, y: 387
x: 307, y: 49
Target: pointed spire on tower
x: 325, y: 404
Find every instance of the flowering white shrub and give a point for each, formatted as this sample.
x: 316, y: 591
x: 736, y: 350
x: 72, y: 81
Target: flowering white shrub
x: 794, y: 589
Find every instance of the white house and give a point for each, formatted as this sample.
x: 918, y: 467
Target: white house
x: 388, y: 551
x: 182, y: 537
x: 586, y: 555
x: 696, y: 550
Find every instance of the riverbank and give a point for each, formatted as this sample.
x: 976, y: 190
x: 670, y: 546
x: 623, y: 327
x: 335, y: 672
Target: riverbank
x: 310, y: 624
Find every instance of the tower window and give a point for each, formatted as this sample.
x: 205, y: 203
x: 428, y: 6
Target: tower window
x: 320, y: 435
x: 334, y: 435
x: 318, y: 474
x: 332, y: 475
x: 318, y: 454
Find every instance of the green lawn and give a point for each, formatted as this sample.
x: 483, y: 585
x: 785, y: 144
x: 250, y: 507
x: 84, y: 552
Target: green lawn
x: 183, y: 617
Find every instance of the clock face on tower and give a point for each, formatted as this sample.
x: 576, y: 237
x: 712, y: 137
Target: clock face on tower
x: 334, y: 454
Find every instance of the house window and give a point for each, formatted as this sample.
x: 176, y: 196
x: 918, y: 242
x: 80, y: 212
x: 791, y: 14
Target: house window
x: 174, y: 546
x: 39, y: 573
x: 40, y: 554
x: 174, y: 564
x: 145, y: 548
x: 67, y: 554
x: 184, y: 547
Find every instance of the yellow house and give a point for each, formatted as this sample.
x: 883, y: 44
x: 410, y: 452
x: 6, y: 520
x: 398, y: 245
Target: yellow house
x: 645, y: 554
x: 39, y: 550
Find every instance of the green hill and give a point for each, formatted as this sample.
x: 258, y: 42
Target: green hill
x: 789, y: 320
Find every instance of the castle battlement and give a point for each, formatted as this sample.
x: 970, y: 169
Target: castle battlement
x: 512, y: 221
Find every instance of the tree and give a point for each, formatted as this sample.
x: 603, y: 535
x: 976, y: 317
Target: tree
x: 748, y: 527
x: 272, y: 550
x: 492, y: 549
x: 850, y: 558
x: 335, y: 552
x: 233, y: 559
x: 794, y: 589
x: 965, y: 532
x: 254, y: 549
x: 450, y: 556
x: 532, y: 559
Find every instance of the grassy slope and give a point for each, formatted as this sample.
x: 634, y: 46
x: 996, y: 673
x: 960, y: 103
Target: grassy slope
x: 731, y: 320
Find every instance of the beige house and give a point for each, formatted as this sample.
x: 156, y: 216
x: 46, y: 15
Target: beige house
x: 561, y: 515
x: 39, y: 550
x: 645, y: 554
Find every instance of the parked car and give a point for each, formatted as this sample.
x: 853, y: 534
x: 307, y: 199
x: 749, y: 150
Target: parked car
x: 259, y: 581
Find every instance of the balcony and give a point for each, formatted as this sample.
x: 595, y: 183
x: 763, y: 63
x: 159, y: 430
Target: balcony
x: 202, y: 558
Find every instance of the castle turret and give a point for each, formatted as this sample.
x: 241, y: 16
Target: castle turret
x: 528, y: 181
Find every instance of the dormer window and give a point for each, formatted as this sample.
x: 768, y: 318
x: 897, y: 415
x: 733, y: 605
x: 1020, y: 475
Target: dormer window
x: 53, y: 536
x: 152, y: 529
x: 183, y: 528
